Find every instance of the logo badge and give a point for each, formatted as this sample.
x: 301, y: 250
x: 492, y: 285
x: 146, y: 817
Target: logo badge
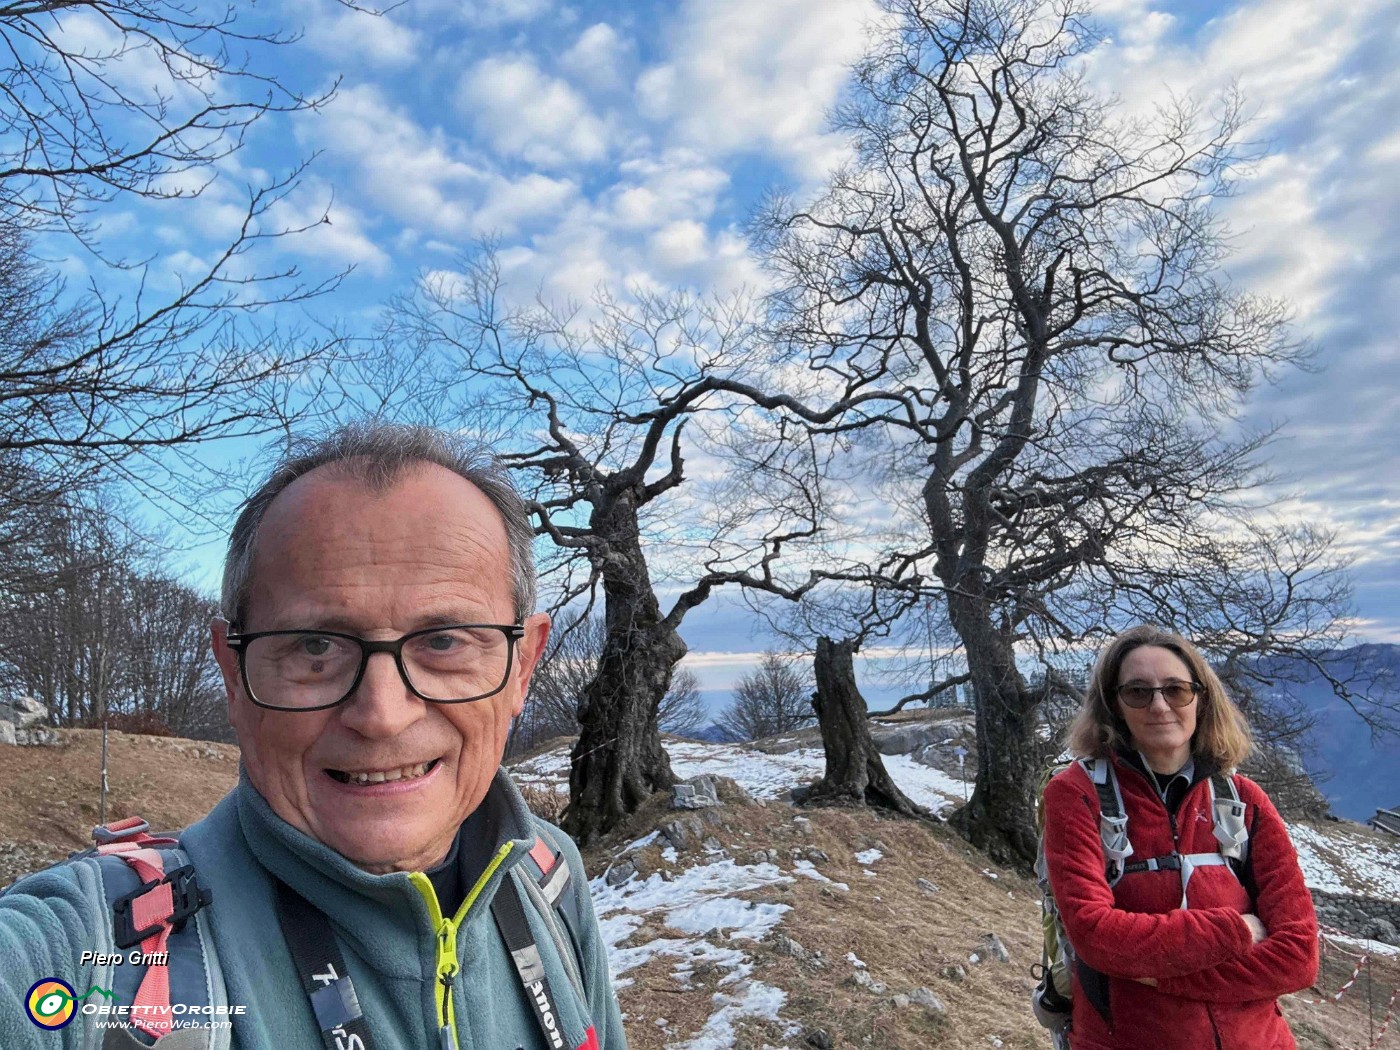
x: 51, y: 1003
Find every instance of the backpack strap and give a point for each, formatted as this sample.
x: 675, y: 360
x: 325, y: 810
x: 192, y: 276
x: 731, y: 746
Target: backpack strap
x: 151, y: 919
x: 545, y: 876
x: 1227, y: 812
x: 1113, y: 820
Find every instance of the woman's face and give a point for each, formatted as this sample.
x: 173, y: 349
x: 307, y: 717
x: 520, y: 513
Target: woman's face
x: 1161, y: 732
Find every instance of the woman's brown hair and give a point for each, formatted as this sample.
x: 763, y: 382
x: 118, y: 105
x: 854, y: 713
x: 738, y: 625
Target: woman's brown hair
x: 1222, y: 734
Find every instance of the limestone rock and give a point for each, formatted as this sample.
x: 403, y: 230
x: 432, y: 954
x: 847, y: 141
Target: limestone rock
x: 696, y: 793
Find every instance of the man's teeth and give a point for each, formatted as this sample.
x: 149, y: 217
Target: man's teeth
x: 390, y: 775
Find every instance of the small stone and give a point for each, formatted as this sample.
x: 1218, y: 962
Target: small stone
x: 676, y: 834
x: 994, y: 948
x: 953, y: 973
x: 901, y: 1001
x: 818, y: 856
x: 862, y: 979
x: 784, y: 945
x: 926, y: 886
x: 620, y: 873
x: 712, y: 845
x: 817, y: 1039
x: 925, y: 998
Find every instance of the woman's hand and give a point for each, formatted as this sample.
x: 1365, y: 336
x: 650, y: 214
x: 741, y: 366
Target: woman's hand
x: 1256, y: 928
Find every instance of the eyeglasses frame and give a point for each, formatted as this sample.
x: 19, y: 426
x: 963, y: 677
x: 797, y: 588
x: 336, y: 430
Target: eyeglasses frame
x: 238, y: 642
x: 1196, y: 689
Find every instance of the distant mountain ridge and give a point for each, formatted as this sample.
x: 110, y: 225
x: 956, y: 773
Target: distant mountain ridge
x: 1358, y: 775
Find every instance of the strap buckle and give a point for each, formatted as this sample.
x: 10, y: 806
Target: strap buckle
x: 187, y: 896
x: 118, y: 830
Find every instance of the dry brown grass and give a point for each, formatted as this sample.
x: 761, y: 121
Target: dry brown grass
x: 908, y: 937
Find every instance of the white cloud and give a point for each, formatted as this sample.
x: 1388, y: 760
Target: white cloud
x: 526, y: 201
x: 680, y: 244
x: 598, y: 56
x: 655, y: 190
x: 1315, y: 223
x: 341, y: 240
x: 531, y: 115
x: 757, y: 76
x: 357, y: 38
x: 418, y: 177
x: 485, y: 14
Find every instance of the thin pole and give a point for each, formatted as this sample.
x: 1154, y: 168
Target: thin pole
x: 102, y: 798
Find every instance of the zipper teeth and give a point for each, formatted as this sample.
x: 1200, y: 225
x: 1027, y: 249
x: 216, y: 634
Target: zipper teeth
x: 446, y: 930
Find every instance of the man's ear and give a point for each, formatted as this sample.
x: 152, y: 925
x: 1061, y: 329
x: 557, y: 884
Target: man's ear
x: 528, y: 652
x: 227, y: 660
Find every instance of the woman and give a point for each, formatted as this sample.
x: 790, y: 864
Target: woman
x: 1165, y: 962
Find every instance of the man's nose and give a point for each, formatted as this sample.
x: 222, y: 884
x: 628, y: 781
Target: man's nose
x: 382, y: 705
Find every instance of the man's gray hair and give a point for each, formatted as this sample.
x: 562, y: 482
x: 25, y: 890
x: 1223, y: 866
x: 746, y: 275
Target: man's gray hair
x: 377, y: 454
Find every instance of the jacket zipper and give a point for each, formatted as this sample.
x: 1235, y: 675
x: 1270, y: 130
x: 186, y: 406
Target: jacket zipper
x: 445, y: 930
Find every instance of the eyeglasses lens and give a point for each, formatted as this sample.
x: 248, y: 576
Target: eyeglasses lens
x: 1139, y: 695
x: 305, y: 669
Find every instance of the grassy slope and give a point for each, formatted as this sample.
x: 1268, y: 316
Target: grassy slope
x: 908, y: 936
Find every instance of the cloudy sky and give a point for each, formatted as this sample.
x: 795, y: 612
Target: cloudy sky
x: 627, y: 142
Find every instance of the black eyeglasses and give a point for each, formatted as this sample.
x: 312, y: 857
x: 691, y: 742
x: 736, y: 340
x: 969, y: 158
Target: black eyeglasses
x: 1138, y: 695
x: 313, y: 670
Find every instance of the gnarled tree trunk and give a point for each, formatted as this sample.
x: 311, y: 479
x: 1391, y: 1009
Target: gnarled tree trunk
x: 855, y: 773
x: 618, y: 761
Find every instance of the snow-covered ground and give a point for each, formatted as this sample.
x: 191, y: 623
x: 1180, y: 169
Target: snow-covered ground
x: 694, y: 902
x: 1348, y: 861
x: 716, y: 895
x: 712, y: 896
x: 765, y: 777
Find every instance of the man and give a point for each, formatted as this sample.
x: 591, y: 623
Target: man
x: 375, y: 881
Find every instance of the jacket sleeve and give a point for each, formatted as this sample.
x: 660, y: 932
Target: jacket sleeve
x: 46, y: 923
x: 597, y: 977
x: 1113, y: 941
x: 1287, y: 959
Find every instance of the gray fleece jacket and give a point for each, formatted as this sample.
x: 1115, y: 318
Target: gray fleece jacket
x: 391, y: 933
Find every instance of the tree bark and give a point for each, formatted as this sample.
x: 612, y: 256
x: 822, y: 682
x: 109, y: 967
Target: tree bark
x: 999, y: 818
x: 855, y: 773
x: 618, y: 762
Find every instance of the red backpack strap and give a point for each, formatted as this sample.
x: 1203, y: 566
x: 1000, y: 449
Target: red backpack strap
x: 161, y: 904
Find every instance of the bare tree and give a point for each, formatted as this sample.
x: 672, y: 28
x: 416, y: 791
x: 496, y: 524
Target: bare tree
x: 562, y: 678
x: 1031, y: 279
x: 92, y: 626
x: 135, y: 98
x: 87, y: 389
x: 600, y: 409
x: 773, y: 698
x: 855, y: 772
x: 139, y: 102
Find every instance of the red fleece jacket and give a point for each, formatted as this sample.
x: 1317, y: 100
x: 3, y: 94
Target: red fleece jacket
x: 1216, y: 989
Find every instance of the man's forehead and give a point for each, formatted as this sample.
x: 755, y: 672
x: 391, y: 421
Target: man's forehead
x: 423, y: 506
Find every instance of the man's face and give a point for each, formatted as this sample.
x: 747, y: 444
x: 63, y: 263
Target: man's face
x: 334, y: 555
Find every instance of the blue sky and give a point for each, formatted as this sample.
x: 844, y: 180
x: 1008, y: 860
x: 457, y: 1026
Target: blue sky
x: 626, y: 143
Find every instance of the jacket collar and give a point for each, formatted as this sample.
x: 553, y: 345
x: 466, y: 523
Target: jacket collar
x: 1197, y: 768
x: 379, y: 905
